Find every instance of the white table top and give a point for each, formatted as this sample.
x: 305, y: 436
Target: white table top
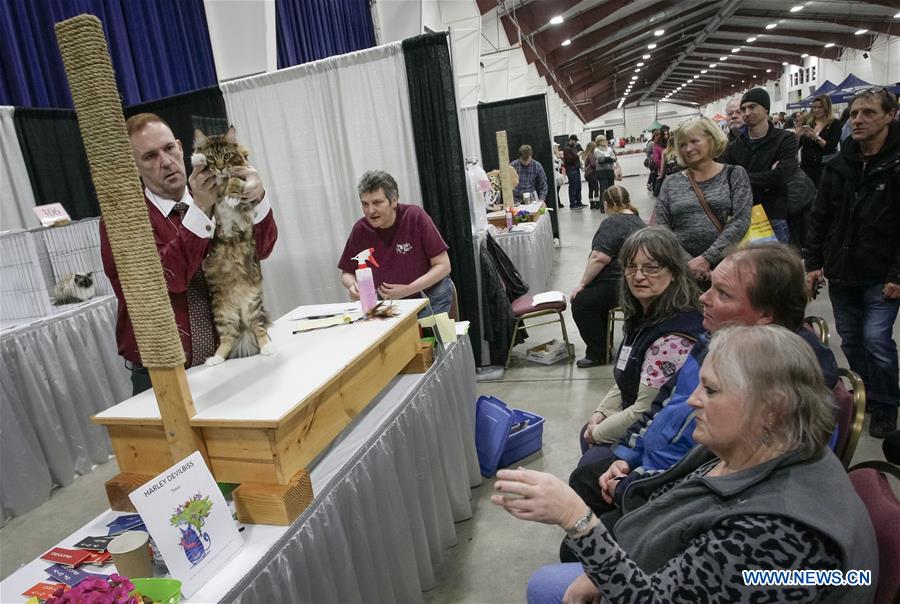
x: 262, y: 390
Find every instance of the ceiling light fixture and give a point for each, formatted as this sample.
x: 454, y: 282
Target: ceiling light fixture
x: 651, y: 46
x: 659, y: 32
x: 771, y: 26
x: 696, y: 77
x: 734, y: 50
x: 712, y: 65
x: 641, y: 64
x: 897, y: 16
x: 723, y: 58
x: 645, y: 57
x: 829, y: 45
x: 633, y: 77
x: 566, y: 42
x: 804, y: 55
x: 797, y: 8
x: 860, y: 32
x: 637, y: 70
x: 768, y: 71
x: 784, y: 62
x: 703, y: 70
x: 556, y: 20
x: 751, y: 39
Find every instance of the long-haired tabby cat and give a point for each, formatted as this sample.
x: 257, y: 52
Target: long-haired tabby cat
x: 74, y: 287
x: 232, y: 265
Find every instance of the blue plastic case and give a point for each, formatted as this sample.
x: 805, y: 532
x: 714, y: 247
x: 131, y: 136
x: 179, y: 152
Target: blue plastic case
x: 496, y: 447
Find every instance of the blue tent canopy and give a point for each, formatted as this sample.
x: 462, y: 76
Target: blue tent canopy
x: 826, y: 88
x: 851, y: 86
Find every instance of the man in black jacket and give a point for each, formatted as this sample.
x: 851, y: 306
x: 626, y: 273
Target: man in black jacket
x: 770, y: 157
x: 854, y: 241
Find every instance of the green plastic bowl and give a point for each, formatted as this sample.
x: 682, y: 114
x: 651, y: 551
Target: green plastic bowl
x: 165, y: 591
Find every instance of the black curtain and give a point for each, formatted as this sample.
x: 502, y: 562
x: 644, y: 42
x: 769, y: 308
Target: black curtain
x: 203, y: 109
x: 442, y: 174
x: 56, y: 161
x: 525, y: 121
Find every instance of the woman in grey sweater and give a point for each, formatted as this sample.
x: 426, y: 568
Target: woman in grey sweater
x: 705, y: 235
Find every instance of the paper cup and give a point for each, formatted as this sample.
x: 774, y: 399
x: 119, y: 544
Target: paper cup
x: 131, y: 554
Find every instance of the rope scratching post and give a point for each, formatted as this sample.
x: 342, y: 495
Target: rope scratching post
x: 93, y: 85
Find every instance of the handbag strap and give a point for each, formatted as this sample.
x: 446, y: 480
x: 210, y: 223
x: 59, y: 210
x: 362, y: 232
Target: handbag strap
x: 703, y: 202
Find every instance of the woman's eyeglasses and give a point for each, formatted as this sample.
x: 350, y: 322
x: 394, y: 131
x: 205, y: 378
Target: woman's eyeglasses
x: 649, y: 270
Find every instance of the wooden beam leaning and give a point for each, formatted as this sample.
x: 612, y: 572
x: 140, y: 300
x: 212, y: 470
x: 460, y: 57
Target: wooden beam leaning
x: 115, y: 176
x: 506, y: 186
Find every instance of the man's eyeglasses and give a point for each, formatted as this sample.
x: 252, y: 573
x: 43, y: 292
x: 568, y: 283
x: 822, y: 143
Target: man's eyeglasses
x: 649, y: 270
x: 876, y: 91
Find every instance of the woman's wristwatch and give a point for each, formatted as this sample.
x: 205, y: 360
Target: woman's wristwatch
x: 581, y: 525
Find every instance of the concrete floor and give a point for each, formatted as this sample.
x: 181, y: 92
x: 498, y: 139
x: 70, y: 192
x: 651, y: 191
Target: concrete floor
x: 495, y: 553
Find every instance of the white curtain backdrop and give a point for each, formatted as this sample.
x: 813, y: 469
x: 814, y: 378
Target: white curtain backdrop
x: 16, y: 196
x: 312, y: 130
x: 468, y: 131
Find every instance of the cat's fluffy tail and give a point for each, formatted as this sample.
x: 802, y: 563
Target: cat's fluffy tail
x: 245, y: 346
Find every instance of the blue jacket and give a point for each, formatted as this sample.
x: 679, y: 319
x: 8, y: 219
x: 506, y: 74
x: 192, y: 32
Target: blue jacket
x: 665, y: 434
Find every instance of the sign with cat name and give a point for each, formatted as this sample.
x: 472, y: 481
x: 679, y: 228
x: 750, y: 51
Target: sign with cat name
x: 189, y: 520
x: 52, y: 214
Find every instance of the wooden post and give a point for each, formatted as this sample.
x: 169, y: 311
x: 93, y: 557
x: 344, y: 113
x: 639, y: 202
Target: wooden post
x: 176, y: 408
x: 506, y: 186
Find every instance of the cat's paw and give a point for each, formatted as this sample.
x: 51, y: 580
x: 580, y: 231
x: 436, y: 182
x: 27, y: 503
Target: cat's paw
x: 267, y: 350
x: 214, y: 360
x: 232, y: 202
x: 198, y: 159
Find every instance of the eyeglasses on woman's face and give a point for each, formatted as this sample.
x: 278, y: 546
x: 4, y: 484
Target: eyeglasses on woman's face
x: 648, y: 270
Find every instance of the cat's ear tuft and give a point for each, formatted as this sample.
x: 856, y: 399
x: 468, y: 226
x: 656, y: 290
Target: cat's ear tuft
x: 231, y: 135
x: 199, y: 138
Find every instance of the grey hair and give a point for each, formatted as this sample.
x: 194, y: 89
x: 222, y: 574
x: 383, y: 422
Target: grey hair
x: 660, y: 244
x: 378, y: 179
x: 778, y: 376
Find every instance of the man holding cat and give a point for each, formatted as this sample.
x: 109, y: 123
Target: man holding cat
x: 408, y: 247
x: 180, y: 217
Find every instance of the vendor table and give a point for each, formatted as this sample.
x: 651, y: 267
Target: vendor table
x: 387, y: 493
x: 54, y: 374
x: 532, y: 253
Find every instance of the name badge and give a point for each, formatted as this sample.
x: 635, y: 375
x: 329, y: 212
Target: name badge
x: 624, y: 355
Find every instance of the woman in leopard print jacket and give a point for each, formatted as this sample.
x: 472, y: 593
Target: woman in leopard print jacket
x: 774, y: 498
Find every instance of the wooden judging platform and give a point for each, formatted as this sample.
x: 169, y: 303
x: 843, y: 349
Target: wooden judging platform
x: 264, y: 419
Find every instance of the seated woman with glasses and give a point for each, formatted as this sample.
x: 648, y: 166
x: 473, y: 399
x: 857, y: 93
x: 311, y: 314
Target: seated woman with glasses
x: 662, y: 321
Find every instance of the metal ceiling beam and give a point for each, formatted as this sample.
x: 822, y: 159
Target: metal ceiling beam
x: 624, y: 71
x: 728, y: 9
x: 881, y: 26
x: 534, y: 16
x: 619, y: 53
x: 833, y: 53
x: 778, y: 55
x: 549, y: 39
x: 659, y: 12
x: 861, y: 42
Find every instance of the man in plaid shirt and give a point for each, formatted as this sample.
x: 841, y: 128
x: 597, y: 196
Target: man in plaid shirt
x: 532, y: 178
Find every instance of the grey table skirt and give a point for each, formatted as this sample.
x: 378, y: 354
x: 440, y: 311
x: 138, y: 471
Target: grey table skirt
x: 388, y: 492
x: 532, y: 253
x: 54, y: 374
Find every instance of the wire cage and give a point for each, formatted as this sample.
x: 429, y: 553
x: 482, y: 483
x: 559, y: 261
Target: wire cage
x: 23, y: 288
x: 32, y: 263
x: 74, y: 248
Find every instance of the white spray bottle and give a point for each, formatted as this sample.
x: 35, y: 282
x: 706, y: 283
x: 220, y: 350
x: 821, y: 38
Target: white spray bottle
x: 365, y: 282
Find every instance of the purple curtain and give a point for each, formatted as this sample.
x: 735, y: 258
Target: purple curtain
x: 159, y: 48
x: 308, y: 30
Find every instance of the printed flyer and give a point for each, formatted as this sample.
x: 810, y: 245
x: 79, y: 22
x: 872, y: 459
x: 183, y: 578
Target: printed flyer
x: 189, y: 520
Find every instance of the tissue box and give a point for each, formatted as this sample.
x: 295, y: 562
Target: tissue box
x: 547, y: 353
